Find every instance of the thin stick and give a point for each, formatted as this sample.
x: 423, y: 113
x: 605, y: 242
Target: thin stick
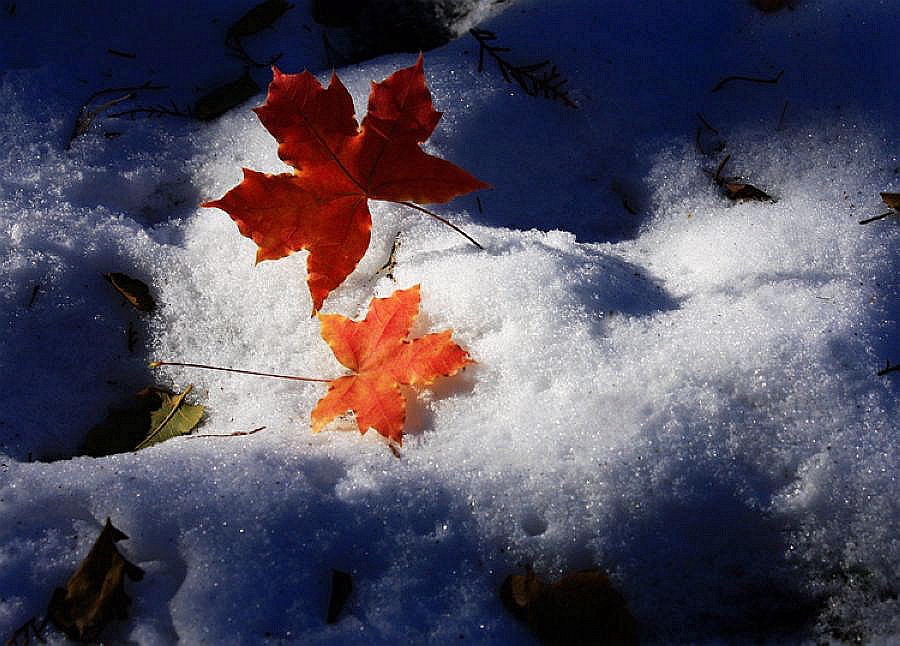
x: 781, y: 118
x: 157, y: 364
x: 706, y: 124
x: 888, y: 368
x: 697, y: 141
x: 748, y: 79
x: 447, y: 222
x: 235, y: 434
x: 877, y: 217
x: 119, y: 52
x: 718, y: 176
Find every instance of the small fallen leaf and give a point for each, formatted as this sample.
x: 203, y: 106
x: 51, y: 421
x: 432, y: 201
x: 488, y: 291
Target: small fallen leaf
x: 770, y: 6
x: 738, y: 190
x: 741, y: 191
x: 217, y: 102
x: 135, y: 291
x: 580, y: 608
x: 382, y: 359
x: 95, y: 594
x: 258, y: 18
x: 341, y: 587
x: 172, y: 419
x: 154, y: 416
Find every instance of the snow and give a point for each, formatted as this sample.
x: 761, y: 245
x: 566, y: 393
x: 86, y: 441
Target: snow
x: 686, y: 397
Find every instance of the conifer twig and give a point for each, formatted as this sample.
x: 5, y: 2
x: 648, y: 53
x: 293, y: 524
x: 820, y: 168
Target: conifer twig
x: 534, y: 79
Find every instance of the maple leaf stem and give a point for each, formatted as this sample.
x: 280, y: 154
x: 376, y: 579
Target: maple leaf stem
x: 157, y: 364
x: 443, y: 220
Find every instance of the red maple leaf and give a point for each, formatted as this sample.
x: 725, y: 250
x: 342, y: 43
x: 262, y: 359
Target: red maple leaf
x: 382, y: 359
x: 323, y: 205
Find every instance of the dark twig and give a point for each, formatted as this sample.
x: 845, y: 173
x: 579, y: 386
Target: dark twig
x: 155, y: 111
x: 888, y: 368
x: 88, y: 112
x: 698, y: 141
x: 35, y: 290
x: 706, y: 125
x: 535, y: 79
x: 236, y: 49
x: 698, y: 136
x: 443, y: 220
x: 878, y: 217
x: 128, y: 88
x: 892, y: 200
x: 747, y: 79
x: 781, y: 118
x: 120, y: 53
x: 387, y: 269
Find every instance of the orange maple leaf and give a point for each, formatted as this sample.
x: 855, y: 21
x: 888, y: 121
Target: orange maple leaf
x: 382, y: 359
x: 323, y: 205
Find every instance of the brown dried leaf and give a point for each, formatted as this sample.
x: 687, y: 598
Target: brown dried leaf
x: 770, y: 6
x: 892, y: 200
x: 258, y: 18
x: 135, y: 291
x: 95, y: 594
x: 737, y: 189
x: 217, y: 102
x: 580, y: 608
x: 741, y: 191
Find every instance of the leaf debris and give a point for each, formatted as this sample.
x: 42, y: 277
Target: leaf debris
x: 260, y: 17
x: 747, y: 79
x: 95, y: 594
x: 535, y: 79
x: 220, y: 100
x: 154, y: 416
x: 580, y: 608
x: 888, y: 368
x: 89, y: 111
x: 135, y: 291
x: 737, y: 189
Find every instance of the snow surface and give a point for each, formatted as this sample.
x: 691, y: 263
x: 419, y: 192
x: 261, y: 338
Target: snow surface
x: 686, y: 397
